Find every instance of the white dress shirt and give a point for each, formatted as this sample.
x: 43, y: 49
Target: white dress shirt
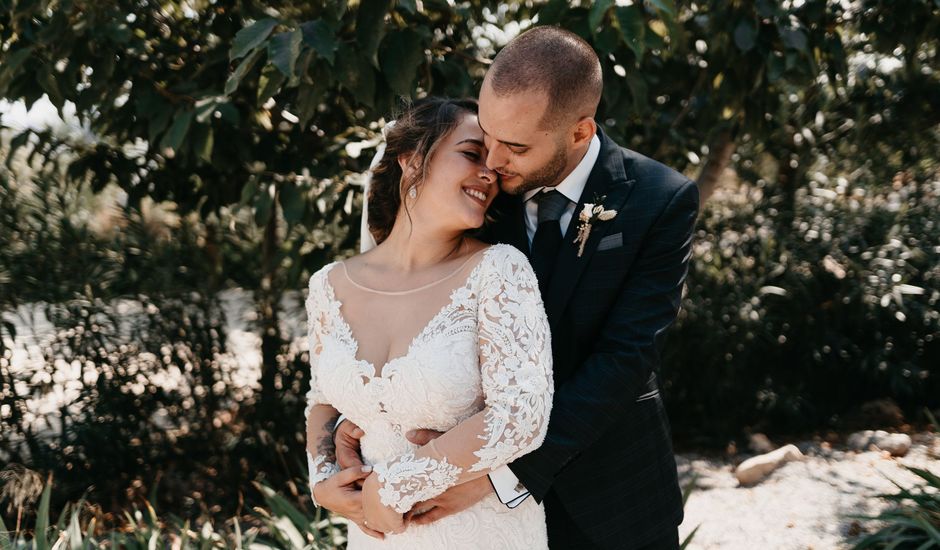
x: 571, y: 187
x: 509, y: 489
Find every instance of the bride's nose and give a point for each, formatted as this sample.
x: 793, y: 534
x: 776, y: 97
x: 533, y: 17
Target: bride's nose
x: 487, y: 175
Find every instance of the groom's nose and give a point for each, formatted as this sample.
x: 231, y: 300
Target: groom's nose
x: 497, y: 156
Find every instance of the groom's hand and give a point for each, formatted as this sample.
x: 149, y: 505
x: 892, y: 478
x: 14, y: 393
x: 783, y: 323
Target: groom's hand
x: 456, y: 499
x: 346, y: 438
x: 422, y: 437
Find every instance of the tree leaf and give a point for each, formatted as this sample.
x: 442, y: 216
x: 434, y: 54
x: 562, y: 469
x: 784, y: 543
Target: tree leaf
x: 250, y: 37
x: 766, y: 8
x: 269, y: 83
x: 400, y: 56
x: 174, y: 137
x: 607, y: 40
x: 283, y: 49
x: 292, y: 203
x: 228, y: 113
x: 158, y: 122
x: 205, y: 142
x: 597, y: 13
x: 11, y: 64
x: 745, y: 35
x: 794, y: 39
x: 239, y: 73
x: 369, y: 21
x: 667, y: 7
x: 552, y: 12
x: 318, y: 35
x: 248, y: 191
x: 411, y: 6
x: 308, y: 97
x: 47, y: 80
x: 632, y: 28
x: 775, y: 67
x: 205, y: 108
x: 356, y: 75
x: 638, y: 92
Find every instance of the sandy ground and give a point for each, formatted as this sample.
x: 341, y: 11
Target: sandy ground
x: 802, y: 505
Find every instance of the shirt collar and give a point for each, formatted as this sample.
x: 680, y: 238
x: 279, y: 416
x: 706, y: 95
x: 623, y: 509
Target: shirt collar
x: 573, y: 184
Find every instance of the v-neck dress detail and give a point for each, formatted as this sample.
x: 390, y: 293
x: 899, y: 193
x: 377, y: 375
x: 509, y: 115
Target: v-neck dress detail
x: 454, y: 301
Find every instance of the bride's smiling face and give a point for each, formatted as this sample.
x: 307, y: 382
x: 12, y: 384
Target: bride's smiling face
x: 457, y: 187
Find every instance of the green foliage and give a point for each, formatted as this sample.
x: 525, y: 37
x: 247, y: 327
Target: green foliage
x: 784, y: 328
x: 913, y: 522
x: 278, y: 524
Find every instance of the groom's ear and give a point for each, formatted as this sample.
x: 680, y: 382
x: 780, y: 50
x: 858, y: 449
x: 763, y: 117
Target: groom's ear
x: 584, y: 130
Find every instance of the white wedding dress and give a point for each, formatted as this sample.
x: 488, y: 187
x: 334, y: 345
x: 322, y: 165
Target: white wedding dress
x: 479, y: 370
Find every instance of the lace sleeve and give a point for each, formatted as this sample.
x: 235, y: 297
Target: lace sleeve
x: 515, y: 366
x: 319, y: 415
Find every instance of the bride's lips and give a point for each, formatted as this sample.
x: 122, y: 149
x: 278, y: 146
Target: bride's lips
x: 477, y: 193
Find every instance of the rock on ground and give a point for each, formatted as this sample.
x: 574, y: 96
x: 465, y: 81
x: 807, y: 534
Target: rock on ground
x: 895, y: 443
x: 756, y: 468
x: 808, y: 504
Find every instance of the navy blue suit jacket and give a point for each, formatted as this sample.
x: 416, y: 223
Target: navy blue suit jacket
x: 608, y: 452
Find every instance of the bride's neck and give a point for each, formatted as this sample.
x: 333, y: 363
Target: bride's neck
x: 410, y: 248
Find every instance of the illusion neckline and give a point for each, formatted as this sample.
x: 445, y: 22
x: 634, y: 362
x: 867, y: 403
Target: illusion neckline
x: 378, y: 371
x: 411, y: 290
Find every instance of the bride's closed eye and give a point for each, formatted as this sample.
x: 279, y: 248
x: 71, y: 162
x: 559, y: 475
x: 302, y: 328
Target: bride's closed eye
x: 472, y: 155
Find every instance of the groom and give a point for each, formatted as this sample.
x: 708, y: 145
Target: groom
x: 611, y: 278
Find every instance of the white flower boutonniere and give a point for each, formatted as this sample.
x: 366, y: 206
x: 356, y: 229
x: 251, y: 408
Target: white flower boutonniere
x: 590, y: 214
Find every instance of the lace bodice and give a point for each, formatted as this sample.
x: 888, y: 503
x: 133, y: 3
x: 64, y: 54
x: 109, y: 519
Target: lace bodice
x: 480, y: 370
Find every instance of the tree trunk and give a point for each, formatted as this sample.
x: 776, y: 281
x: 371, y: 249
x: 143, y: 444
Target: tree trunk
x: 270, y: 333
x: 719, y: 155
x: 788, y: 177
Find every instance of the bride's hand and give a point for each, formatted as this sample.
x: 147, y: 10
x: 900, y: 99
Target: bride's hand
x: 339, y: 494
x: 377, y: 515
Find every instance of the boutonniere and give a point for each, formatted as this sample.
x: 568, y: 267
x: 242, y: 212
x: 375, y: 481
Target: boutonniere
x: 590, y: 214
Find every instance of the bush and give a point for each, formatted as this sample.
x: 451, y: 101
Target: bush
x: 134, y: 387
x: 277, y: 524
x: 785, y: 327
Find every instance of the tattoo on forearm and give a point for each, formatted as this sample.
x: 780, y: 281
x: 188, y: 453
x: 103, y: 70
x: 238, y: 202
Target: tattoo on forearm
x: 325, y: 445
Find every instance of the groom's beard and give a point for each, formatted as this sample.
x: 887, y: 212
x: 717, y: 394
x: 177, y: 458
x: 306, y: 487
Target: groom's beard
x: 549, y: 175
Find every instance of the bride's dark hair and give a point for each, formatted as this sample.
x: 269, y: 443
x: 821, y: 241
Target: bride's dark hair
x: 419, y: 128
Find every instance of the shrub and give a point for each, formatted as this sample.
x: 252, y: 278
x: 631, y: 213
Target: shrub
x: 786, y: 327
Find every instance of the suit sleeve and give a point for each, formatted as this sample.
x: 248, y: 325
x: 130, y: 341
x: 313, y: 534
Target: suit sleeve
x: 601, y: 391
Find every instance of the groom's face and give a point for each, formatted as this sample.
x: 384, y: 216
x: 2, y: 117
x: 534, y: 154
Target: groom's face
x: 524, y: 153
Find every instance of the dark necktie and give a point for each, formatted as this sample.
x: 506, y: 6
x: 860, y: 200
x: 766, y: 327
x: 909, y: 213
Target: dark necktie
x: 547, y: 239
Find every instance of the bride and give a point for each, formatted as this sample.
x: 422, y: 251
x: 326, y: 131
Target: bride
x: 430, y: 329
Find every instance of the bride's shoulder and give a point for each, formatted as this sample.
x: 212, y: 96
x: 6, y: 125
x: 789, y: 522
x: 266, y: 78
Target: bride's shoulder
x: 319, y: 277
x: 505, y: 260
x: 505, y: 253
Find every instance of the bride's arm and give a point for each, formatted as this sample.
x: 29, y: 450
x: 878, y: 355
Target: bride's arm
x: 319, y: 415
x: 515, y: 364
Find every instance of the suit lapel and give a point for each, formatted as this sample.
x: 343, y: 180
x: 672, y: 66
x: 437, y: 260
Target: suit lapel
x: 608, y: 179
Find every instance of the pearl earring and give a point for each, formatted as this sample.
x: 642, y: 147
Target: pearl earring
x: 413, y: 191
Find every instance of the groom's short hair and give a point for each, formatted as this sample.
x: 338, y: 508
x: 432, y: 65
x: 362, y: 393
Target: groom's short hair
x: 554, y: 61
